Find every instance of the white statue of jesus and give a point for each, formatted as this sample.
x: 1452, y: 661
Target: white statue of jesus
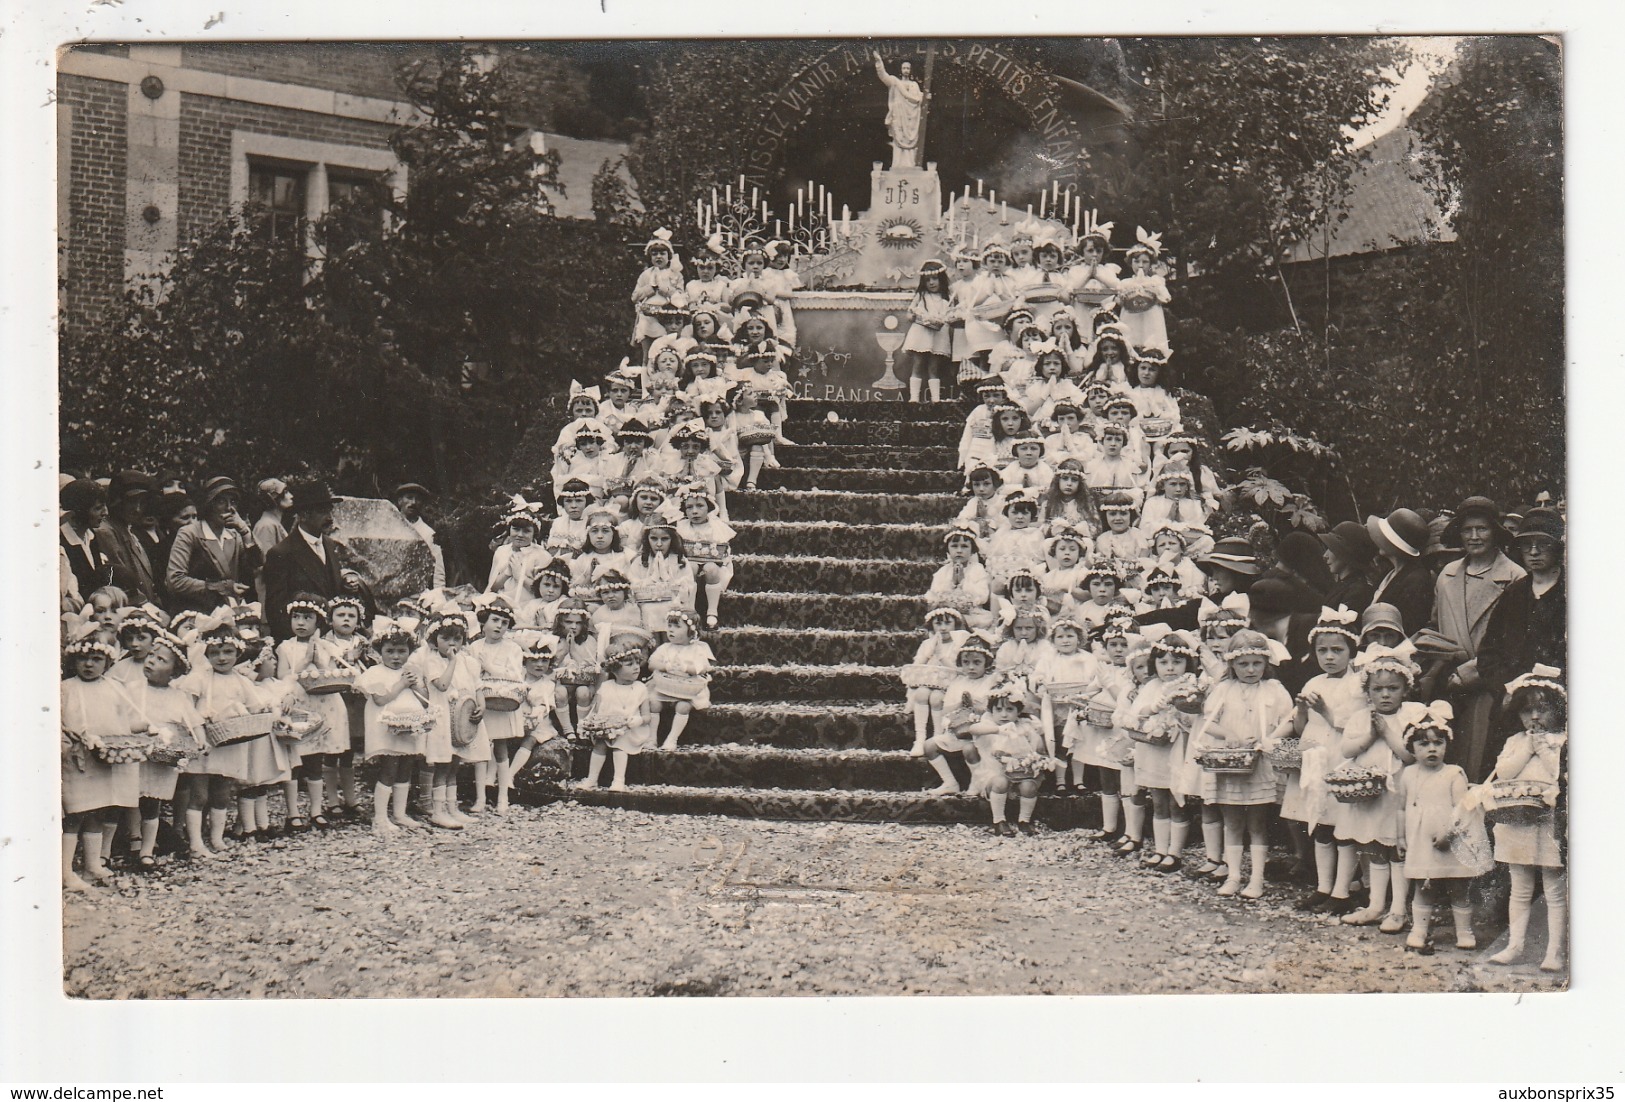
x: 902, y: 113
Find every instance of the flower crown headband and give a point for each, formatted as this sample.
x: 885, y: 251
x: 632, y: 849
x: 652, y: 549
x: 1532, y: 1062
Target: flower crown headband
x: 1540, y: 677
x: 978, y: 643
x: 1337, y: 621
x: 939, y: 613
x: 91, y: 645
x: 1398, y: 660
x: 686, y: 616
x: 176, y: 646
x: 1255, y: 644
x: 315, y: 608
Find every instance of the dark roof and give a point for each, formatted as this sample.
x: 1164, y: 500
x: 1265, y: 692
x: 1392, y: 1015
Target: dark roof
x: 1387, y: 207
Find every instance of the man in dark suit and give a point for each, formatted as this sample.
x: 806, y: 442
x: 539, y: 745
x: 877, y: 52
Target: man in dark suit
x: 307, y: 560
x: 128, y: 495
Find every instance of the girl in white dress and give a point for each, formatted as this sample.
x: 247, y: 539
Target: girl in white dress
x: 962, y: 582
x: 1117, y: 746
x: 539, y: 649
x: 1159, y: 752
x: 306, y: 650
x: 1430, y: 791
x: 577, y: 670
x: 169, y: 714
x: 660, y: 576
x: 1323, y: 708
x: 1084, y: 735
x: 929, y: 339
x: 396, y: 719
x: 499, y: 658
x: 660, y: 285
x: 93, y: 791
x: 1242, y: 711
x: 964, y: 701
x: 1142, y: 296
x: 619, y: 724
x: 1066, y: 674
x: 1008, y: 747
x: 683, y: 654
x: 1374, y: 740
x: 706, y: 545
x: 224, y: 690
x: 931, y: 671
x: 449, y: 675
x: 1534, y: 848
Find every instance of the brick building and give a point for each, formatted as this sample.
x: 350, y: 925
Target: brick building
x: 157, y: 142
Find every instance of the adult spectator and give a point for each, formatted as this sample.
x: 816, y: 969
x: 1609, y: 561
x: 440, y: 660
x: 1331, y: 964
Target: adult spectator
x: 307, y: 559
x: 1529, y: 624
x: 170, y: 513
x: 1400, y: 538
x: 1231, y: 566
x: 410, y: 498
x: 213, y: 557
x: 1301, y: 568
x: 1349, y: 554
x: 128, y: 496
x: 1467, y: 591
x: 271, y: 528
x: 84, y: 562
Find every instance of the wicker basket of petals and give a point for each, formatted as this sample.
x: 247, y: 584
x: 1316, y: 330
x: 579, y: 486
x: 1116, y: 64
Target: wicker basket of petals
x: 1352, y: 784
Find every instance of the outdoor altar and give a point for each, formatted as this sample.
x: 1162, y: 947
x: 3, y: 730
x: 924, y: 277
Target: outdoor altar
x: 859, y: 270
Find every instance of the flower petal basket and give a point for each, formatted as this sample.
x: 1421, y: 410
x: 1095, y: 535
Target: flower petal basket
x: 321, y: 682
x: 925, y: 675
x: 235, y: 729
x: 676, y: 686
x: 1229, y: 759
x: 1519, y: 801
x: 502, y: 694
x: 1287, y: 754
x: 1352, y: 784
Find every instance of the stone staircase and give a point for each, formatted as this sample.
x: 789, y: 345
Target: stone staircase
x: 808, y: 717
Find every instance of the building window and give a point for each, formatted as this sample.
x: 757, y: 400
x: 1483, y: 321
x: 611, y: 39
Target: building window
x: 355, y: 209
x: 279, y: 192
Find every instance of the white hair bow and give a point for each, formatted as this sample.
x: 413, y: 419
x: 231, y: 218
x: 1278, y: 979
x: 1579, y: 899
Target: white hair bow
x: 1539, y: 677
x: 1342, y: 614
x: 1152, y: 241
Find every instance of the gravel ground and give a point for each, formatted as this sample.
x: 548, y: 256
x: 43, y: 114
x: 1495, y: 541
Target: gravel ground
x: 569, y: 900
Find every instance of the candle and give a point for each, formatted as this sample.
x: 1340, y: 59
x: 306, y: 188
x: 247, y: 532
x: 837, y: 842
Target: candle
x: 1004, y: 213
x: 792, y: 221
x: 741, y: 185
x: 754, y: 196
x: 1077, y: 210
x: 1043, y: 197
x: 728, y: 194
x: 699, y: 213
x: 1066, y: 205
x: 1056, y: 198
x: 978, y: 189
x: 778, y: 227
x: 1029, y: 212
x: 713, y: 197
x: 967, y: 195
x: 992, y: 199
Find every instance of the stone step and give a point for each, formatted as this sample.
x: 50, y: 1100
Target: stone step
x: 811, y: 409
x: 788, y: 646
x: 842, y: 611
x: 932, y: 434
x: 803, y: 725
x: 892, y: 457
x: 768, y: 767
x: 861, y: 480
x: 844, y: 507
x: 827, y: 574
x: 853, y: 806
x: 889, y: 541
x: 744, y: 684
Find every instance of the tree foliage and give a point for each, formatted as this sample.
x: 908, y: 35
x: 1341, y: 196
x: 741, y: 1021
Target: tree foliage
x: 1242, y: 145
x: 1488, y: 328
x: 412, y: 335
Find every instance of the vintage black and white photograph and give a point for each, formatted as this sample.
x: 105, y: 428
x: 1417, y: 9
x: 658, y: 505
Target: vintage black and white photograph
x: 812, y: 517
